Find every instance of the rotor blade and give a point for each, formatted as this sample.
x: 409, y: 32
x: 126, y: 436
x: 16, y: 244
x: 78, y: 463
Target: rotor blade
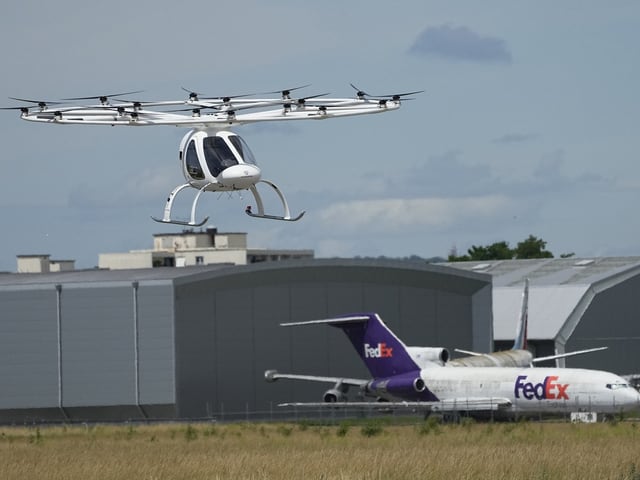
x: 360, y: 93
x: 99, y: 97
x: 395, y: 96
x: 24, y: 109
x: 286, y: 91
x: 302, y: 100
x: 399, y: 94
x: 193, y: 95
x: 40, y: 103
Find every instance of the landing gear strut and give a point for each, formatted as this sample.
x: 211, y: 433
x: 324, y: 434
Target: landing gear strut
x: 166, y: 217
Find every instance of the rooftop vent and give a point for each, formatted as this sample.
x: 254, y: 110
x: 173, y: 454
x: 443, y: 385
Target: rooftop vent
x: 584, y: 263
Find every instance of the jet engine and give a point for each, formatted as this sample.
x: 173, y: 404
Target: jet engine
x: 427, y: 356
x: 406, y: 386
x: 336, y: 394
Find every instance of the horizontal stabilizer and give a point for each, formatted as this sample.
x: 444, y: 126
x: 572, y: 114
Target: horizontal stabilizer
x: 467, y: 352
x: 568, y: 354
x: 273, y: 375
x: 330, y: 321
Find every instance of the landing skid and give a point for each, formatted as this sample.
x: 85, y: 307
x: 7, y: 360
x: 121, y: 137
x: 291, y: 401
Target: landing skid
x: 287, y: 214
x: 274, y: 217
x: 181, y: 222
x: 166, y: 217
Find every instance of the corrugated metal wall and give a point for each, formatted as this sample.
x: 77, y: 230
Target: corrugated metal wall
x: 612, y: 319
x: 227, y: 328
x: 195, y: 343
x: 78, y: 350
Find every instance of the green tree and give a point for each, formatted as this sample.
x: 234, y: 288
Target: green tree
x: 532, y: 247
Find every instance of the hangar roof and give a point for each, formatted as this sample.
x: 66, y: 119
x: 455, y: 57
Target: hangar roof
x: 194, y: 273
x: 560, y: 290
x: 102, y: 275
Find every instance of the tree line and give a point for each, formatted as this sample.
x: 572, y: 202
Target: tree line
x: 531, y: 247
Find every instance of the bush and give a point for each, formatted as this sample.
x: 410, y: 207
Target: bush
x: 371, y: 429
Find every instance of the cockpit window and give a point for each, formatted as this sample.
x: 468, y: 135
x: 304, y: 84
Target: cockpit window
x: 243, y: 149
x: 218, y: 155
x: 616, y: 386
x: 193, y: 165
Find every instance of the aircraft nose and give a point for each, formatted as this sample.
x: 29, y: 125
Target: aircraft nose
x: 239, y: 177
x: 632, y: 398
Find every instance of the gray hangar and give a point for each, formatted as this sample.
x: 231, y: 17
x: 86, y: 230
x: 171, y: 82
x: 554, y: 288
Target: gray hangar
x: 194, y: 342
x: 574, y: 304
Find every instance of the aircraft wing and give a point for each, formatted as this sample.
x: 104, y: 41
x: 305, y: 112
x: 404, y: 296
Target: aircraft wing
x: 468, y: 352
x: 568, y: 354
x: 462, y: 404
x: 273, y: 375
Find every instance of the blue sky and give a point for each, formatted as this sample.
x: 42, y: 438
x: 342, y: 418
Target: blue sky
x: 528, y: 123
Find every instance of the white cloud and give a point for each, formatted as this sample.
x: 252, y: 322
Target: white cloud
x: 412, y: 213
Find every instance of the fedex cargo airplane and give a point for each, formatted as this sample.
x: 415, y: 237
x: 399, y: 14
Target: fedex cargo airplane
x: 417, y: 377
x: 518, y: 356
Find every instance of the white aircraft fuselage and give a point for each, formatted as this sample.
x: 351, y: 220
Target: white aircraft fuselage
x: 536, y: 389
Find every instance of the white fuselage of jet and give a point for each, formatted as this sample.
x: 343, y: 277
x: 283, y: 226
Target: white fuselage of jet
x: 535, y: 389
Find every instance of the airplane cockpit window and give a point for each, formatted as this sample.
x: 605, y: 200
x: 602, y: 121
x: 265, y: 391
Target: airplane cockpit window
x: 243, y: 149
x: 616, y: 386
x: 218, y: 155
x: 193, y: 165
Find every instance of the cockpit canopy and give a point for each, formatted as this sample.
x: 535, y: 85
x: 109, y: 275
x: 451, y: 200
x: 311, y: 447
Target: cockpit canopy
x: 207, y: 153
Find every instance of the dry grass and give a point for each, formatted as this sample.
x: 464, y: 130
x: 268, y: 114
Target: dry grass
x: 358, y: 451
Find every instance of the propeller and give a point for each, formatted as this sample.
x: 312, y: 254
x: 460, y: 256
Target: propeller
x: 195, y: 96
x: 394, y: 96
x: 103, y: 98
x: 302, y: 101
x: 23, y: 109
x: 41, y: 103
x: 286, y: 93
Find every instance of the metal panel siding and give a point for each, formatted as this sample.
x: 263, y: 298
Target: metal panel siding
x: 416, y: 321
x: 612, y: 319
x: 155, y: 344
x: 97, y: 346
x: 28, y: 349
x: 234, y: 349
x: 455, y: 325
x: 482, y: 322
x: 196, y: 350
x: 338, y: 353
x: 272, y: 342
x: 309, y: 346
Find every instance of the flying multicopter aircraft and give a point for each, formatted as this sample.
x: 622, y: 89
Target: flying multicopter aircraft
x: 415, y: 377
x: 213, y: 158
x: 518, y: 355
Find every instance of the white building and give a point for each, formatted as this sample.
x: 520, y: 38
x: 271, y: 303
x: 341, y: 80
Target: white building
x: 41, y: 263
x: 197, y: 248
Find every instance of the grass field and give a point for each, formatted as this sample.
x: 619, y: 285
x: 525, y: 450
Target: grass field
x: 364, y: 450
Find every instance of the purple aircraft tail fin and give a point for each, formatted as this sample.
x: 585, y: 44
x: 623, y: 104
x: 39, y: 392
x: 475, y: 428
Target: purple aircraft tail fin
x: 383, y: 353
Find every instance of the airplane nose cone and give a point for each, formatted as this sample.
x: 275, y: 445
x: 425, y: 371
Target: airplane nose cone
x: 239, y: 177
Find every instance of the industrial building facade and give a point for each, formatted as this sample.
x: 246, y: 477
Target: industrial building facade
x: 194, y: 342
